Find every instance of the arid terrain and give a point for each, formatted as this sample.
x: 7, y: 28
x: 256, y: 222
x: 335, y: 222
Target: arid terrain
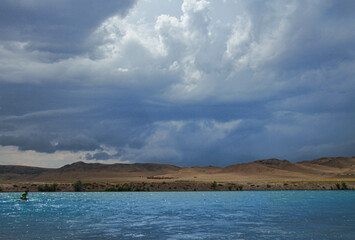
x: 270, y: 174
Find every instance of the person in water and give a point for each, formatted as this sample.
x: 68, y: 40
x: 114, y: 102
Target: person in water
x: 24, y: 196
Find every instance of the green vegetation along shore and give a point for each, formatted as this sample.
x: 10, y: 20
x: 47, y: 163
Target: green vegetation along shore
x: 78, y: 186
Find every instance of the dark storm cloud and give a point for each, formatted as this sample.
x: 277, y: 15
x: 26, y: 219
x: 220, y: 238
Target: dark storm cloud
x: 198, y: 134
x: 50, y: 143
x: 277, y: 81
x: 60, y: 27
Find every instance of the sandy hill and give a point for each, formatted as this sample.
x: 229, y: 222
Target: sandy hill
x: 334, y: 162
x: 84, y: 171
x: 261, y: 170
x: 21, y: 170
x: 19, y: 173
x: 117, y: 167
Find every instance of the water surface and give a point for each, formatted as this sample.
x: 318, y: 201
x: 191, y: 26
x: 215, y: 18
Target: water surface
x: 180, y: 215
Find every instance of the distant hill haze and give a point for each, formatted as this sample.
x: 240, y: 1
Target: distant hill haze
x: 269, y: 169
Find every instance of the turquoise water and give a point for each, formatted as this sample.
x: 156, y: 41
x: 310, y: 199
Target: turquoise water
x: 180, y: 215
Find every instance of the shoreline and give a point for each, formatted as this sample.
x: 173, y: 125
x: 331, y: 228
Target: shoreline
x: 171, y: 186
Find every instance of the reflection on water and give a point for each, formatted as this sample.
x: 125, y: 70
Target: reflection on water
x: 180, y: 215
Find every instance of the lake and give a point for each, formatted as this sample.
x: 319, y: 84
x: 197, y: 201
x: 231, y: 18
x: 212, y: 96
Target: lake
x: 180, y: 215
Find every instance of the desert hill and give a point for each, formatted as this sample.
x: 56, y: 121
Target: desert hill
x: 21, y: 170
x: 268, y: 169
x: 81, y: 170
x: 117, y: 168
x: 13, y: 172
x: 334, y: 162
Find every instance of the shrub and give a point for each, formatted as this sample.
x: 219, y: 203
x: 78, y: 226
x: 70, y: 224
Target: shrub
x: 214, y: 184
x: 53, y: 187
x: 344, y: 186
x: 268, y: 186
x: 138, y: 189
x: 230, y: 188
x: 338, y: 186
x: 78, y: 186
x: 127, y: 188
x: 111, y: 189
x: 48, y: 188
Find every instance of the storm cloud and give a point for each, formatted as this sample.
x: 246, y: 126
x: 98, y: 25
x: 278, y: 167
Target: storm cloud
x: 59, y: 28
x: 182, y: 82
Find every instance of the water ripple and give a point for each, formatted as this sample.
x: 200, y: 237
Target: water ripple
x: 180, y: 215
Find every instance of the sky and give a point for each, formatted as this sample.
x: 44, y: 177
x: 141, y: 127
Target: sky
x: 189, y: 83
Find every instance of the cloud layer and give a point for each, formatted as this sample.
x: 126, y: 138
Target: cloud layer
x: 202, y: 83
